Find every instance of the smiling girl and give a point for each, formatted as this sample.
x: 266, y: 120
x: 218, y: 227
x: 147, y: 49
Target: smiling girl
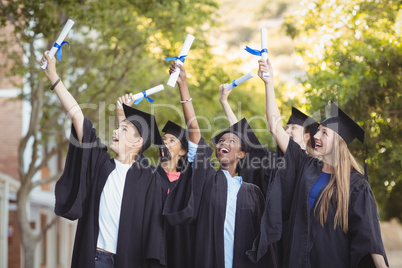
x: 329, y: 211
x: 225, y: 209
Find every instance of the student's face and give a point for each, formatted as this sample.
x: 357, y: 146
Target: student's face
x: 324, y: 141
x: 296, y: 131
x: 228, y: 149
x: 174, y: 146
x: 125, y: 138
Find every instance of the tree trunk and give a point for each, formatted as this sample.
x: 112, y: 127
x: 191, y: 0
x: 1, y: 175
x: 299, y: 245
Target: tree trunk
x: 29, y: 238
x: 29, y: 254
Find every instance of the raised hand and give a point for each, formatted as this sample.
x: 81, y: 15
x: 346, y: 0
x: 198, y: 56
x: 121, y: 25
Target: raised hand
x: 266, y: 67
x: 50, y: 71
x: 223, y: 92
x: 182, y: 77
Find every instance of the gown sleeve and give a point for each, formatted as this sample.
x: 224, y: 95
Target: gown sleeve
x: 271, y: 222
x: 364, y: 227
x: 278, y: 200
x: 81, y: 162
x: 184, y: 200
x: 293, y: 163
x: 259, y: 167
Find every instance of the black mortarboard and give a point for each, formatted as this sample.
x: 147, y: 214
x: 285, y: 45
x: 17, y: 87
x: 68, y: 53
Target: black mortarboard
x: 251, y: 143
x: 146, y: 125
x: 177, y: 131
x: 300, y: 118
x: 297, y: 117
x: 342, y: 124
x: 243, y: 130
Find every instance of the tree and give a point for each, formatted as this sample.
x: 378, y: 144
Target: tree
x: 116, y: 47
x: 353, y: 55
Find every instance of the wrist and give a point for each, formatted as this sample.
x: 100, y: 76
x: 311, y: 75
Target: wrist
x: 182, y: 82
x: 53, y: 78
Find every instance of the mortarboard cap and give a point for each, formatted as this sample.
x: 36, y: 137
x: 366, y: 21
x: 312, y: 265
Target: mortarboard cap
x: 342, y: 124
x: 180, y: 133
x: 297, y: 117
x: 243, y: 130
x: 146, y: 125
x: 301, y: 119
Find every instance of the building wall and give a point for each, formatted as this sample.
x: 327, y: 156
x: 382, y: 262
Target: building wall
x: 10, y: 135
x: 10, y: 111
x: 14, y: 242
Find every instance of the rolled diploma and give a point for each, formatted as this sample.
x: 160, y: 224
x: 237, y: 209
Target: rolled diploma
x: 242, y: 79
x: 59, y: 40
x: 184, y: 51
x: 264, y: 42
x: 147, y: 93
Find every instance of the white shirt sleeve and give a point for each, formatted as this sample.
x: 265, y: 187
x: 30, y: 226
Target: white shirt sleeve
x: 192, y: 150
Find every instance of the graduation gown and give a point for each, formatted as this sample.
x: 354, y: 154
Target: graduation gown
x: 179, y: 238
x: 78, y: 191
x: 308, y: 244
x: 261, y: 167
x: 207, y: 207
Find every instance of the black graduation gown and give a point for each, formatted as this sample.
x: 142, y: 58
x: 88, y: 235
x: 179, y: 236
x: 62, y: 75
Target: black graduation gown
x: 207, y: 206
x: 78, y: 191
x: 179, y: 238
x: 268, y: 240
x: 308, y: 244
x: 260, y: 168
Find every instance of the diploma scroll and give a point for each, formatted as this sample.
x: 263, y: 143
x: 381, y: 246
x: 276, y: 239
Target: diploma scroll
x: 184, y: 51
x: 140, y: 96
x: 264, y: 49
x: 59, y: 40
x: 242, y: 79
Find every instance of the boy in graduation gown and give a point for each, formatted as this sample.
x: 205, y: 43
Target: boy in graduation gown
x: 226, y: 210
x: 330, y: 208
x: 118, y: 201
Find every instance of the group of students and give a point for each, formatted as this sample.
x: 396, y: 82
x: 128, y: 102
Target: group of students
x: 305, y: 205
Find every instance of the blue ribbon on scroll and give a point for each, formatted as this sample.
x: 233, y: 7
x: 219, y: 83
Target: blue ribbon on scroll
x: 181, y: 58
x: 59, y: 51
x: 234, y: 83
x: 256, y: 51
x: 145, y: 96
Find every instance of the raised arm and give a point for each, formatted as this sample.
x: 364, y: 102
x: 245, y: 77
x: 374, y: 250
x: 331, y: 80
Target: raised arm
x: 67, y: 100
x: 188, y: 109
x: 223, y: 99
x: 273, y: 114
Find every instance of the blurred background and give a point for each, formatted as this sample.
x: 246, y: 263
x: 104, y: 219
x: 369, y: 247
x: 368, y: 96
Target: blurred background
x: 346, y: 51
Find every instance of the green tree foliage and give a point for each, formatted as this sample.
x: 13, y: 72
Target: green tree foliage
x: 117, y: 47
x: 353, y: 55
